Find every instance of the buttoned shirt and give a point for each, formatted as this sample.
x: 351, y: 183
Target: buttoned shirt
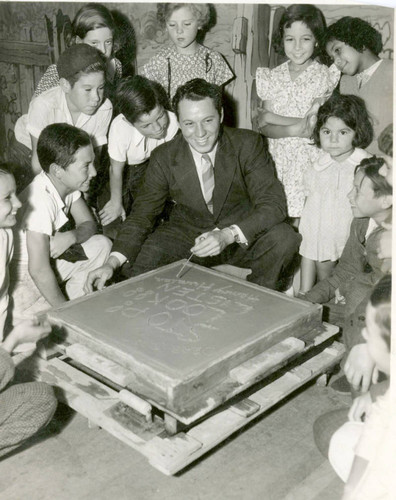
x: 51, y: 107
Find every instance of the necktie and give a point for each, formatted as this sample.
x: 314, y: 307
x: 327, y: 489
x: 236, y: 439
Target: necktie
x: 207, y: 180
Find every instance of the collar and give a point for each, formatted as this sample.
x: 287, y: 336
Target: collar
x: 44, y: 179
x: 363, y: 77
x: 325, y: 160
x: 197, y: 156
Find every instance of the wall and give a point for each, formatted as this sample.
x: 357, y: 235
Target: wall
x: 24, y: 21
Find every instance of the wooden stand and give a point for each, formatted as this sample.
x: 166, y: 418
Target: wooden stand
x: 168, y: 444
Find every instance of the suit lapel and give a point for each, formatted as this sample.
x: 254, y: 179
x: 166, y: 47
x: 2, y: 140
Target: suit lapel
x: 224, y: 170
x: 187, y: 177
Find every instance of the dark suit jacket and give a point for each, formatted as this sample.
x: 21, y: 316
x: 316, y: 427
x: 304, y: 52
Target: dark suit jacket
x: 246, y: 193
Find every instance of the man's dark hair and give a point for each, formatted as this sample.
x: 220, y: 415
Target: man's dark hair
x: 197, y: 90
x: 58, y: 143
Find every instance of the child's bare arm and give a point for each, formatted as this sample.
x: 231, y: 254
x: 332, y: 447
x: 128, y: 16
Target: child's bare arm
x: 85, y: 228
x: 113, y: 208
x: 36, y: 167
x: 38, y: 246
x: 277, y: 126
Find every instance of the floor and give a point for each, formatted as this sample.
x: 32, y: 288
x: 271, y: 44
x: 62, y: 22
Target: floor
x: 273, y: 458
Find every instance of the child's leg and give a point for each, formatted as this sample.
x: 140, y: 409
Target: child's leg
x: 308, y: 274
x: 24, y: 409
x: 325, y: 269
x: 342, y: 446
x: 97, y: 249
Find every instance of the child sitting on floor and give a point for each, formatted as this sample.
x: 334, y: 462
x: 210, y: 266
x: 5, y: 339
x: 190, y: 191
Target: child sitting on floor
x: 185, y: 59
x: 362, y: 450
x: 359, y: 267
x: 44, y: 255
x: 24, y: 408
x: 78, y: 100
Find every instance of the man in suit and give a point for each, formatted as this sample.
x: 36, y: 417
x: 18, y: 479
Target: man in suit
x: 229, y: 206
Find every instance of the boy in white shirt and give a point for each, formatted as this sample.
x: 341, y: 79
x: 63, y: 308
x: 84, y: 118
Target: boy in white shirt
x: 45, y: 256
x: 79, y: 100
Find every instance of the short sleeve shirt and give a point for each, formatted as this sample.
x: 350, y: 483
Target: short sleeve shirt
x: 43, y: 211
x: 51, y: 107
x: 127, y: 144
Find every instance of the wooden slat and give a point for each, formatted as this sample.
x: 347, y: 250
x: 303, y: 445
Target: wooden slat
x: 26, y: 53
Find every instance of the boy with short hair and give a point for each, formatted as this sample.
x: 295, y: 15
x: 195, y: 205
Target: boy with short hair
x: 43, y: 254
x: 78, y: 100
x: 359, y: 267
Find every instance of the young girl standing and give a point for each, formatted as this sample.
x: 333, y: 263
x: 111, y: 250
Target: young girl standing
x: 185, y: 59
x: 354, y: 45
x: 93, y: 25
x: 142, y: 123
x: 342, y: 128
x: 290, y: 94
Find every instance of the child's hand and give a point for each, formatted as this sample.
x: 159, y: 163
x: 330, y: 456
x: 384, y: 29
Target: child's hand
x: 359, y: 367
x: 110, y: 212
x: 60, y: 242
x: 30, y: 330
x: 360, y: 408
x: 339, y: 299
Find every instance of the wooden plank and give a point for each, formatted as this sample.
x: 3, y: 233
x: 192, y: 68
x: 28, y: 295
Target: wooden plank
x: 109, y: 369
x: 275, y: 356
x: 26, y: 53
x: 218, y: 427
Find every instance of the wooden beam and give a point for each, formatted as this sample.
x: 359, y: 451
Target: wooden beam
x: 26, y: 53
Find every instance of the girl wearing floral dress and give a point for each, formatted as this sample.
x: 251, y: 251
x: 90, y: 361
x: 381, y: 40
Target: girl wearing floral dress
x: 291, y: 94
x: 185, y: 59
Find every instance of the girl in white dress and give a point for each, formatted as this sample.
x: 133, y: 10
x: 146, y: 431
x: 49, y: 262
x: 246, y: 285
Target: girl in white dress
x: 291, y: 94
x: 343, y: 127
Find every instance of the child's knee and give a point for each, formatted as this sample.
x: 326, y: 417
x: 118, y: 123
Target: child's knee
x: 97, y: 247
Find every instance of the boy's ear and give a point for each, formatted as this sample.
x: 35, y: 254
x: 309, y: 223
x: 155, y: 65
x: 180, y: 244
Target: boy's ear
x: 65, y: 85
x: 387, y: 201
x: 56, y: 170
x: 78, y: 39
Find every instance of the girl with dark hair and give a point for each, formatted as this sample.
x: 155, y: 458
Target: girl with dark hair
x: 291, y: 94
x: 93, y: 25
x: 354, y: 45
x: 185, y: 58
x: 142, y: 123
x: 343, y: 127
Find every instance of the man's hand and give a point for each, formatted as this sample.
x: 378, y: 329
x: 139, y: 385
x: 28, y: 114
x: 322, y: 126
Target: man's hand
x: 110, y: 212
x: 60, y: 242
x: 360, y: 408
x: 97, y: 278
x: 359, y: 368
x: 30, y: 330
x: 212, y: 243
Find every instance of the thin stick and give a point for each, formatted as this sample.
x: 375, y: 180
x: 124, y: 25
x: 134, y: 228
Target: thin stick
x: 183, y: 266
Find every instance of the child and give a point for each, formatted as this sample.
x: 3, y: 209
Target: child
x: 24, y: 408
x: 354, y: 46
x: 143, y: 123
x: 359, y: 267
x: 78, y: 100
x: 93, y: 25
x: 44, y: 254
x: 290, y: 95
x: 342, y: 128
x: 361, y: 452
x: 185, y: 59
